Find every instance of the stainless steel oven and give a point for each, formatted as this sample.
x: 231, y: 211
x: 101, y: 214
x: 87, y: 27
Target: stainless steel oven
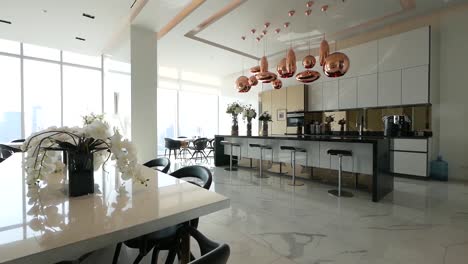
x: 295, y: 119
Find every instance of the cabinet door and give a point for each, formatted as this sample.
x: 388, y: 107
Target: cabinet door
x: 348, y: 93
x: 330, y: 95
x: 295, y: 98
x: 278, y: 101
x: 390, y: 88
x: 415, y: 85
x: 315, y: 96
x: 363, y: 58
x: 409, y: 163
x: 367, y: 91
x: 408, y: 49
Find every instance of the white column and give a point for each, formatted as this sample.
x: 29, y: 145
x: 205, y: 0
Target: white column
x: 144, y: 93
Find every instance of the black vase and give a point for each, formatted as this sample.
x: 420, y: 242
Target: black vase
x: 80, y: 173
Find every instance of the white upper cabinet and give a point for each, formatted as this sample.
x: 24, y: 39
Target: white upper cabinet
x: 363, y: 59
x: 315, y: 97
x: 404, y: 50
x: 367, y: 91
x: 330, y: 95
x: 415, y: 85
x: 347, y: 93
x: 389, y: 88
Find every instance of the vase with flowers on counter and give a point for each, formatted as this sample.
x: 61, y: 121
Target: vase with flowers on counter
x: 234, y: 109
x: 248, y: 114
x: 328, y: 120
x: 265, y: 117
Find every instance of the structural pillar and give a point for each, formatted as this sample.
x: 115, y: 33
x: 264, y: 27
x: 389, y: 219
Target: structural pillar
x: 144, y: 93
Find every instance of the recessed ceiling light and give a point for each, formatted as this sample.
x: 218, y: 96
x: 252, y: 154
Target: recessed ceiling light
x: 44, y: 11
x: 88, y: 16
x: 78, y: 38
x: 5, y: 21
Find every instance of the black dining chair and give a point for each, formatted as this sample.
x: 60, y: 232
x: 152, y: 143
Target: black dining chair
x: 7, y: 151
x: 159, y: 162
x: 211, y: 252
x: 1, y: 159
x: 18, y: 140
x: 210, y: 146
x: 198, y: 146
x: 171, y: 145
x: 167, y: 238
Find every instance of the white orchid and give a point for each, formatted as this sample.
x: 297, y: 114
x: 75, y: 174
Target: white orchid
x: 95, y: 137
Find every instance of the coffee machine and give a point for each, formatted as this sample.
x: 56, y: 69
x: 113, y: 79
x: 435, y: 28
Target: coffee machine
x: 396, y: 125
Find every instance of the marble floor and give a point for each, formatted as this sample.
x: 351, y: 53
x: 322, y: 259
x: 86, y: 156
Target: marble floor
x: 272, y: 222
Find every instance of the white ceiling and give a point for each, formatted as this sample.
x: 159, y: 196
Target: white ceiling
x: 63, y: 21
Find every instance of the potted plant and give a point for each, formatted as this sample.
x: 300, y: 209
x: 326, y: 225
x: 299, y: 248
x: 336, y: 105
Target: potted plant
x: 234, y: 109
x: 328, y: 120
x: 249, y: 113
x: 342, y: 123
x: 265, y: 117
x: 86, y: 149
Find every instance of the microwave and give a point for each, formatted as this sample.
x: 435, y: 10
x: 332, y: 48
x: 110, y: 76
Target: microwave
x: 295, y: 119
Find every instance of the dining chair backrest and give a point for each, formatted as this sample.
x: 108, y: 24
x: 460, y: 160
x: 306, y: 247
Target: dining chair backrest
x: 211, y: 143
x: 171, y: 143
x: 18, y: 140
x: 200, y: 143
x: 202, y: 175
x: 6, y: 151
x: 181, y: 137
x: 1, y: 159
x: 211, y: 252
x: 159, y: 162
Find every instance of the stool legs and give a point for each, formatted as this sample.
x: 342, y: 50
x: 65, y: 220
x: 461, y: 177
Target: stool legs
x: 294, y: 182
x: 230, y: 161
x: 260, y: 175
x: 339, y: 192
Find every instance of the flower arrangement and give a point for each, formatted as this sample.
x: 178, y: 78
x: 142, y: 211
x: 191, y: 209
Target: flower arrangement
x: 329, y: 119
x: 265, y: 117
x: 342, y: 122
x: 42, y: 149
x: 248, y: 113
x: 234, y: 108
x: 88, y: 119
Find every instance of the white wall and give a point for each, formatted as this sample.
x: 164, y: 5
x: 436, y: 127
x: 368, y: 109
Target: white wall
x: 454, y: 92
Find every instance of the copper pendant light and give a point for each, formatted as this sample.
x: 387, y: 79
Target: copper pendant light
x: 255, y: 69
x: 336, y: 65
x: 324, y: 51
x: 264, y: 75
x: 253, y: 80
x: 291, y: 62
x: 308, y: 62
x: 308, y: 76
x: 281, y: 68
x: 277, y: 84
x: 242, y: 84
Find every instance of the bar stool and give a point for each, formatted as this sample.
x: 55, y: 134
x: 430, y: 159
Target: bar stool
x: 340, y: 153
x: 293, y: 162
x: 262, y: 147
x: 232, y: 145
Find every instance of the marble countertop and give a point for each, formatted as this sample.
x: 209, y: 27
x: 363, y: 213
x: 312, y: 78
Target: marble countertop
x: 44, y: 225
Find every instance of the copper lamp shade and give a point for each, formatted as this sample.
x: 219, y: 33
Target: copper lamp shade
x: 242, y: 84
x: 255, y: 69
x: 308, y: 76
x: 264, y: 75
x: 336, y: 65
x: 253, y: 80
x: 291, y: 62
x: 281, y: 68
x: 277, y: 84
x: 324, y: 51
x: 308, y: 62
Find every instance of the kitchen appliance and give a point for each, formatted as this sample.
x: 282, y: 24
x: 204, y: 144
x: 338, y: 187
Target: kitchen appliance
x: 295, y: 119
x: 396, y: 125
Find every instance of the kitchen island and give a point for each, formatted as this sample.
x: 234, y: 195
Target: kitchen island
x: 371, y: 155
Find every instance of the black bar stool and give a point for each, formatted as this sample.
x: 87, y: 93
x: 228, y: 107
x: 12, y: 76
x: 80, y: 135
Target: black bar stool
x: 293, y: 162
x: 231, y: 146
x: 340, y: 154
x: 262, y: 147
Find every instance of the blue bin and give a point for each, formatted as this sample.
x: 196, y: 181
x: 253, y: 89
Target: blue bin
x: 439, y: 169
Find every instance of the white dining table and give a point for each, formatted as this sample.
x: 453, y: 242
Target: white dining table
x: 43, y: 225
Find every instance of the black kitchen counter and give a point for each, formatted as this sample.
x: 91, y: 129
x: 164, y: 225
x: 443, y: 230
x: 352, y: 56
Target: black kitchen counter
x: 382, y: 178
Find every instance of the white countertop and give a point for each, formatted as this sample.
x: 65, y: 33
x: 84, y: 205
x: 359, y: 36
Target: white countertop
x: 46, y: 226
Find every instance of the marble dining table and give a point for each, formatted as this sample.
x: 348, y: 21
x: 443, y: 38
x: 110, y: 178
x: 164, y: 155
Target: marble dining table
x: 41, y: 224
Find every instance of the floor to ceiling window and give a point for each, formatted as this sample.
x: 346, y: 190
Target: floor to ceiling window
x: 167, y: 116
x: 42, y: 95
x: 10, y: 106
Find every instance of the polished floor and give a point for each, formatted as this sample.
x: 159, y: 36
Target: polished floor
x: 272, y: 222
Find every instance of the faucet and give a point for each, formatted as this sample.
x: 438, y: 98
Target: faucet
x: 361, y: 124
